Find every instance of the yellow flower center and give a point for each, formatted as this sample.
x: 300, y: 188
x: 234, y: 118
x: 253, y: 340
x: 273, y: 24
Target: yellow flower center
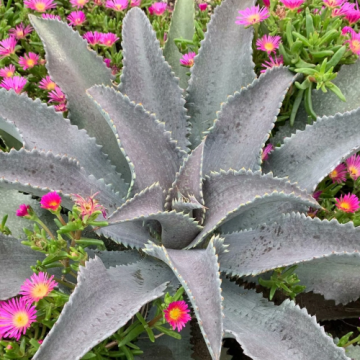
x: 354, y: 172
x: 53, y: 203
x: 30, y: 63
x: 9, y: 74
x: 191, y: 62
x: 253, y: 19
x: 174, y: 314
x: 118, y: 7
x: 20, y: 319
x: 51, y: 86
x: 81, y: 2
x: 40, y: 7
x: 269, y: 46
x: 355, y: 45
x: 19, y: 34
x: 40, y: 291
x: 333, y: 174
x: 345, y: 205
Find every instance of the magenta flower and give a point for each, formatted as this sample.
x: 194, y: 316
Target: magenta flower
x: 134, y: 3
x: 177, y: 314
x: 93, y: 38
x: 347, y: 29
x: 16, y: 316
x: 16, y: 83
x: 76, y: 18
x: 8, y: 71
x: 268, y: 149
x: 188, y: 59
x: 316, y: 195
x: 108, y: 39
x: 353, y: 166
x: 117, y: 5
x: 51, y: 201
x: 252, y: 15
x: 266, y: 3
x: 157, y: 8
x: 88, y: 206
x: 292, y: 4
x: 28, y: 61
x: 23, y: 210
x: 273, y: 62
x: 348, y: 203
x: 78, y: 3
x: 352, y: 12
x: 268, y: 43
x: 40, y: 5
x: 203, y: 6
x: 47, y: 84
x: 338, y: 174
x: 51, y: 16
x: 333, y: 3
x: 37, y: 287
x: 7, y: 46
x: 21, y: 31
x: 61, y: 107
x: 354, y: 42
x: 107, y: 62
x: 57, y: 95
x: 343, y: 10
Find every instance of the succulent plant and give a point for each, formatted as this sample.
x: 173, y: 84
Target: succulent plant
x: 191, y: 192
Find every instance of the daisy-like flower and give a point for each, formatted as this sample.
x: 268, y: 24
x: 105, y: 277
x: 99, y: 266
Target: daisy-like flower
x: 352, y: 13
x: 92, y: 38
x: 78, y: 3
x: 76, y: 18
x: 22, y: 211
x: 7, y: 46
x: 203, y: 6
x: 333, y: 3
x: 47, y: 84
x: 273, y: 62
x: 28, y: 61
x: 21, y: 31
x: 252, y: 15
x: 347, y: 29
x: 51, y: 201
x: 40, y: 5
x: 157, y: 8
x: 8, y: 71
x: 177, y: 314
x: 338, y: 174
x: 348, y: 203
x: 107, y: 62
x: 16, y: 316
x: 57, y: 95
x: 268, y: 43
x: 292, y: 4
x: 268, y: 149
x: 353, y: 166
x: 61, y: 107
x: 108, y: 39
x: 134, y: 3
x: 37, y: 287
x: 117, y: 5
x: 354, y: 42
x: 16, y: 83
x: 51, y: 16
x: 188, y: 59
x: 88, y: 206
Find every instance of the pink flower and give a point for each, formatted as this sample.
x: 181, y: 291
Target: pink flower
x: 333, y: 3
x: 23, y: 210
x: 16, y: 83
x: 292, y: 4
x: 338, y: 174
x: 20, y: 31
x: 354, y: 42
x: 51, y: 16
x: 92, y: 38
x: 7, y: 72
x: 40, y: 5
x: 352, y: 14
x: 348, y: 203
x: 252, y: 15
x: 47, y: 84
x: 108, y: 39
x: 177, y: 314
x: 347, y: 29
x: 88, y: 206
x: 37, y: 287
x: 78, y: 3
x: 157, y: 8
x: 266, y: 3
x: 76, y: 18
x: 343, y: 10
x: 268, y: 43
x: 61, y: 107
x: 134, y: 3
x: 51, y: 201
x: 40, y: 341
x: 188, y: 59
x: 57, y: 95
x: 7, y: 46
x: 16, y: 316
x: 203, y: 6
x: 273, y: 62
x: 353, y: 166
x: 117, y: 5
x: 28, y: 61
x: 316, y: 195
x: 107, y: 62
x: 268, y: 149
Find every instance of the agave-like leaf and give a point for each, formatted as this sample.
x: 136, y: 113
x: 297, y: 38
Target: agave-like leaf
x: 10, y: 133
x: 198, y: 273
x: 181, y: 26
x: 155, y: 88
x: 295, y: 238
x: 224, y: 65
x: 307, y: 158
x: 269, y: 332
x: 114, y: 258
x: 353, y: 352
x: 227, y: 194
x: 244, y: 123
x: 39, y: 126
x: 75, y: 68
x: 152, y: 154
x: 99, y: 306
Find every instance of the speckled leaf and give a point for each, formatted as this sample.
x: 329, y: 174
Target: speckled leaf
x: 294, y: 239
x: 7, y: 127
x: 244, y: 123
x: 269, y: 332
x: 114, y: 258
x: 152, y: 154
x: 224, y: 65
x: 181, y: 26
x: 15, y: 262
x: 307, y: 158
x: 198, y: 273
x: 39, y: 126
x: 75, y: 67
x: 147, y: 77
x: 45, y: 172
x: 99, y: 306
x: 227, y: 194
